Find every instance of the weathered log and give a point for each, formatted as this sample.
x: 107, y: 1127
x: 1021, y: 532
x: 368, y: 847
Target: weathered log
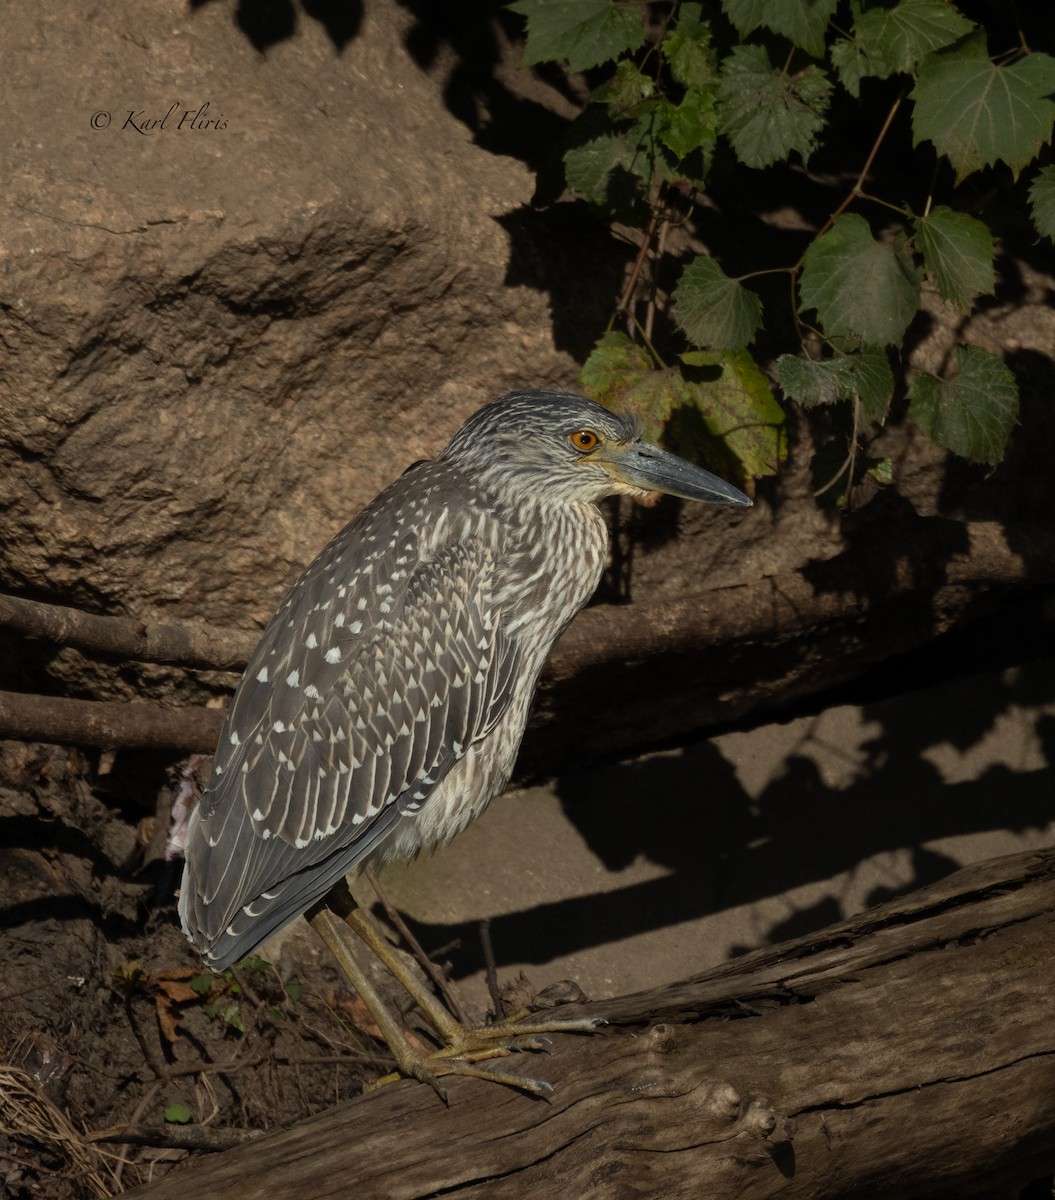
x: 907, y: 1050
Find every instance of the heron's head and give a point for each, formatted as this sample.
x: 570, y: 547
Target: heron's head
x: 561, y: 445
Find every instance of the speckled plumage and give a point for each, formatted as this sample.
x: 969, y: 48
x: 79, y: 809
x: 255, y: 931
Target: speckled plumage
x: 385, y: 703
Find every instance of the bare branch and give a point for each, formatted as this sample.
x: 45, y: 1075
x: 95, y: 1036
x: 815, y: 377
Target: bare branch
x: 124, y: 637
x: 714, y: 654
x: 108, y: 724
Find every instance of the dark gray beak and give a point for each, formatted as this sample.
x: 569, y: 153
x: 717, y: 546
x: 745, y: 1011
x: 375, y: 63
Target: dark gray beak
x: 645, y: 466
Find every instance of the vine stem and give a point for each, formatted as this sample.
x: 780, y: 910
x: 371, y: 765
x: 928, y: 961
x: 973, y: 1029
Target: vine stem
x: 856, y: 191
x: 848, y: 461
x: 639, y: 262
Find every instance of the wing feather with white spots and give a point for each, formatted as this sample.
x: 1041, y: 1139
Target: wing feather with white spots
x: 382, y: 667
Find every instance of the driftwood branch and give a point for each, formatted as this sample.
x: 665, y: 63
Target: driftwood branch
x: 127, y: 638
x: 713, y: 657
x: 905, y: 1052
x: 108, y: 724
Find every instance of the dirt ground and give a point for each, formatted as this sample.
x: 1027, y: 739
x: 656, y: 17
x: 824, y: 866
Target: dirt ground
x: 635, y: 874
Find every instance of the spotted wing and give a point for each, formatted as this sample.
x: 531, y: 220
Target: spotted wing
x: 370, y: 683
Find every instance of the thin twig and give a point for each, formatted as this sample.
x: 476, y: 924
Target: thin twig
x: 855, y: 191
x: 642, y: 253
x: 491, y: 969
x: 177, y: 1137
x: 435, y: 974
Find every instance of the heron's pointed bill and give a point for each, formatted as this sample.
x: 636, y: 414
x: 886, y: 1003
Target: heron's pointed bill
x: 646, y: 466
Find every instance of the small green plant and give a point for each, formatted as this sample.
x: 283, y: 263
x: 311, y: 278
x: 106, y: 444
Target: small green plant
x: 225, y: 1003
x: 686, y: 89
x: 177, y: 1114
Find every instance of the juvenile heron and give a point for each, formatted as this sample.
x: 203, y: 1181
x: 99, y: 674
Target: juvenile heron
x: 385, y: 704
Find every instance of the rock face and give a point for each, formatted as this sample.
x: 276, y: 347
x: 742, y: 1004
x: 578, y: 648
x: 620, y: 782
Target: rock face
x: 240, y: 293
x: 249, y: 273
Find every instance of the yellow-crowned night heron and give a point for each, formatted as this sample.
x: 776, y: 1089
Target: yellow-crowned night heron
x: 385, y: 704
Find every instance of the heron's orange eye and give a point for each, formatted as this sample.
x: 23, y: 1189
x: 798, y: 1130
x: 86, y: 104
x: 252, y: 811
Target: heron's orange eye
x: 585, y: 440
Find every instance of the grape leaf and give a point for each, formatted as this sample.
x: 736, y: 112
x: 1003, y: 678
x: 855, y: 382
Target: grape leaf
x: 860, y: 288
x: 581, y: 33
x: 765, y: 113
x: 958, y: 252
x: 852, y: 64
x: 718, y: 409
x: 688, y: 49
x: 627, y: 89
x: 588, y: 167
x: 896, y: 39
x: 866, y: 377
x: 738, y: 408
x: 977, y: 113
x: 802, y: 22
x: 689, y: 126
x: 713, y: 310
x: 973, y: 414
x: 1042, y: 199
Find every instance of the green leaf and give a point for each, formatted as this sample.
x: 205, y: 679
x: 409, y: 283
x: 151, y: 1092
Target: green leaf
x: 882, y: 471
x: 958, y: 252
x: 802, y: 22
x: 589, y: 165
x: 865, y: 377
x: 688, y: 49
x: 764, y: 112
x: 738, y: 407
x: 294, y: 990
x: 612, y: 368
x: 874, y: 381
x: 713, y: 310
x: 852, y: 64
x: 973, y: 414
x: 896, y: 39
x: 689, y: 126
x: 177, y: 1114
x: 977, y: 113
x: 1042, y: 199
x: 627, y: 89
x: 202, y: 984
x: 581, y: 33
x: 719, y: 409
x: 232, y: 1017
x: 860, y: 288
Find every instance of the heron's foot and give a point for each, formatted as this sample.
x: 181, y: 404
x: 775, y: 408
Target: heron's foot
x: 463, y: 1049
x: 522, y: 1032
x: 469, y: 1048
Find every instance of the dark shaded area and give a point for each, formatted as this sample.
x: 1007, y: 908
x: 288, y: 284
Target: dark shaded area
x: 265, y: 23
x: 567, y: 254
x: 471, y: 43
x: 724, y: 849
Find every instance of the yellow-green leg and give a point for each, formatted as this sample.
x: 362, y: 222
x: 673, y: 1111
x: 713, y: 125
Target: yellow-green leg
x: 463, y: 1048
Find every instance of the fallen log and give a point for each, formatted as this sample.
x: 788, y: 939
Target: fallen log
x: 908, y: 1050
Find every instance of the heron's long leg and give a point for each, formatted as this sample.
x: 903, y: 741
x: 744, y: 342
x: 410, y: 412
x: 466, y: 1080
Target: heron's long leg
x: 456, y: 1036
x: 337, y: 917
x: 425, y: 1068
x: 446, y: 989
